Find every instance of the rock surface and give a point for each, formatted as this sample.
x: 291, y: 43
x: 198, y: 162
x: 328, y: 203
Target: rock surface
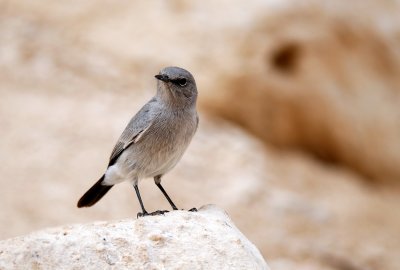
x: 206, y: 239
x: 321, y: 78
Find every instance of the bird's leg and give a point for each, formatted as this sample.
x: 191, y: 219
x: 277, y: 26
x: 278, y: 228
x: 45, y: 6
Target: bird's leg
x: 157, y: 180
x: 144, y: 212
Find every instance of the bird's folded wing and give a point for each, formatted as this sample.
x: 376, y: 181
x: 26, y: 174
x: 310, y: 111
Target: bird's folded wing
x: 138, y: 125
x: 127, y: 138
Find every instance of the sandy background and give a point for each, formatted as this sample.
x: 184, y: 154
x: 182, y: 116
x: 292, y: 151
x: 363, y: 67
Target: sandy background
x: 299, y: 107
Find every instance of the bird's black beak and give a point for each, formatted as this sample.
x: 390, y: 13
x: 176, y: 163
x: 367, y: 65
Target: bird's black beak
x: 163, y: 78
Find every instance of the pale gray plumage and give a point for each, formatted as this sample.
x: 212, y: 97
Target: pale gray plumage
x: 155, y: 138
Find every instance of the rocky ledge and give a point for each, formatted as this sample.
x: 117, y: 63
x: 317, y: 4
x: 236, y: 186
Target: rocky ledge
x: 206, y: 239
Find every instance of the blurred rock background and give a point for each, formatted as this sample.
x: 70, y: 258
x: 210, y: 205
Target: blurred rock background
x: 299, y: 138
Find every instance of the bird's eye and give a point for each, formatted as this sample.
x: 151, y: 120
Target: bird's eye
x: 182, y: 81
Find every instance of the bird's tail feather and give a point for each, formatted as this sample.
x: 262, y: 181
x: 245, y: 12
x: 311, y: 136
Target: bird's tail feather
x: 94, y: 194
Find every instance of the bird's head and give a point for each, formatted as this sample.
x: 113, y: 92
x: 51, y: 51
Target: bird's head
x: 176, y: 86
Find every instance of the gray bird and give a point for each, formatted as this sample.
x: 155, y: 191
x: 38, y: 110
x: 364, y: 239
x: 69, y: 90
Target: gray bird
x: 154, y: 140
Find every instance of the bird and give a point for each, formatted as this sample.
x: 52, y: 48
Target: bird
x: 154, y: 140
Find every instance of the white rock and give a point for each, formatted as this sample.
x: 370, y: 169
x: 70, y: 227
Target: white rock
x: 206, y: 239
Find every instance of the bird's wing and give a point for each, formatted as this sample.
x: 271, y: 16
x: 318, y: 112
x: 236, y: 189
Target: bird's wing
x: 134, y: 131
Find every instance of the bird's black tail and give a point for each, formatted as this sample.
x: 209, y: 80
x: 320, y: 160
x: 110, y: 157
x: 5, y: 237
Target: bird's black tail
x: 94, y: 194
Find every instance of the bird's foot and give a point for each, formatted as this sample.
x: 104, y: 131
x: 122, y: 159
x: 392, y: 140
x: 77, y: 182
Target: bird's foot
x: 155, y: 213
x: 142, y: 214
x: 158, y: 212
x: 194, y: 209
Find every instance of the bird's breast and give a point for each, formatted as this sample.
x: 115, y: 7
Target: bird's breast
x: 163, y: 144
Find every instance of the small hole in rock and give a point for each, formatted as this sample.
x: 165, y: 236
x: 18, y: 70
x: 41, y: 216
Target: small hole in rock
x: 286, y: 57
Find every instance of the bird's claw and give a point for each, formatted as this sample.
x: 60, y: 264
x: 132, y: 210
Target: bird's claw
x: 142, y: 214
x: 155, y: 213
x: 159, y: 212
